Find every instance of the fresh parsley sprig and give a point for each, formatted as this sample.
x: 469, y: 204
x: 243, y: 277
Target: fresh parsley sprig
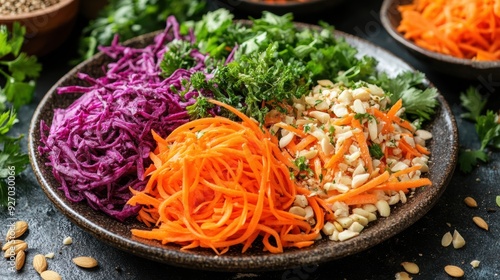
x: 487, y: 128
x: 19, y: 72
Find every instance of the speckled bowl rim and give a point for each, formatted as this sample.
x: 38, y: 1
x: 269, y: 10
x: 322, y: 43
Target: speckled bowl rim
x: 386, y: 9
x: 444, y: 148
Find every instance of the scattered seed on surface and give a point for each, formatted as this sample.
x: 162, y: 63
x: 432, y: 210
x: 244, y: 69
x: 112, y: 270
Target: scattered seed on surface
x: 49, y: 255
x: 50, y: 275
x: 403, y: 275
x: 15, y: 248
x: 13, y: 243
x: 458, y: 240
x: 40, y: 263
x: 19, y: 228
x: 20, y: 260
x: 471, y: 202
x: 480, y: 222
x: 85, y: 262
x: 475, y: 263
x: 454, y: 271
x: 447, y: 239
x: 411, y: 267
x: 68, y: 240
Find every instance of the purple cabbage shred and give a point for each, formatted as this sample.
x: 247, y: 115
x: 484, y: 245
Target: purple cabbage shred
x: 99, y: 146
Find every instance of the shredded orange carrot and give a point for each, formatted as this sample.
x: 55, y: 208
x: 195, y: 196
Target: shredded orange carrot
x: 361, y: 199
x: 375, y: 182
x: 461, y: 28
x: 216, y: 183
x: 405, y: 185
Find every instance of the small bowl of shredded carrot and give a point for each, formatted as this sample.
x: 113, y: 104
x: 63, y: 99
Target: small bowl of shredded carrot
x: 457, y: 37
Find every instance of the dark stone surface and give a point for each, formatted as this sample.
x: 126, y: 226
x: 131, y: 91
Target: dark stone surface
x: 419, y: 243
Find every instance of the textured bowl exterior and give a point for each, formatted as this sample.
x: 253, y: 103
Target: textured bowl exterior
x: 46, y: 29
x: 462, y: 68
x: 255, y: 7
x: 444, y: 148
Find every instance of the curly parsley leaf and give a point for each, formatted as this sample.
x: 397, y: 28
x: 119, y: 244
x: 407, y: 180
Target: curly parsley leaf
x: 260, y: 78
x: 178, y: 56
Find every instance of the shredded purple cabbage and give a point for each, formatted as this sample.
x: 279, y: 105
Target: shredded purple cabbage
x: 99, y: 146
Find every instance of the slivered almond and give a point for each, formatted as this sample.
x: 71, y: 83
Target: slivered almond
x: 85, y: 262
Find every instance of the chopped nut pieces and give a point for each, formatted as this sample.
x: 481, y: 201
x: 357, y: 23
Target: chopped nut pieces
x: 475, y: 263
x: 411, y: 267
x: 50, y: 255
x: 68, y: 240
x: 480, y: 222
x: 471, y: 202
x: 454, y: 271
x: 447, y: 239
x: 458, y: 240
x: 403, y: 275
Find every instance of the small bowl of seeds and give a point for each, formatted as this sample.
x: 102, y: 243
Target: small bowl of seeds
x: 48, y: 23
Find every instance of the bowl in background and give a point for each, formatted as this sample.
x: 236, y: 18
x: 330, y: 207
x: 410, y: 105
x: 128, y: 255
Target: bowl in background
x: 280, y: 7
x: 463, y: 68
x: 46, y: 29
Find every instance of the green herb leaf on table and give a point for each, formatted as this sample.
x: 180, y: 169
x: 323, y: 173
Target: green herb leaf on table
x: 472, y: 100
x: 129, y: 18
x: 498, y: 200
x: 469, y: 158
x: 19, y: 71
x: 487, y: 128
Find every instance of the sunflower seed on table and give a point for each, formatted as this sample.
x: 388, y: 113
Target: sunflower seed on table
x: 454, y: 271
